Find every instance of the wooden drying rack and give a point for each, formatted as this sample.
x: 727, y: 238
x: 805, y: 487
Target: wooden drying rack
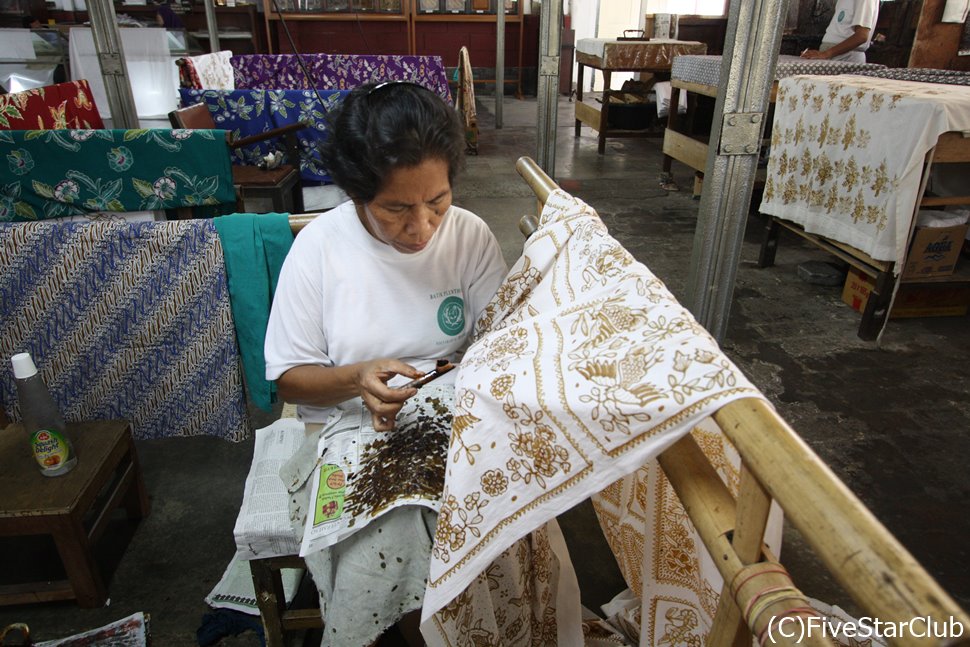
x: 880, y: 575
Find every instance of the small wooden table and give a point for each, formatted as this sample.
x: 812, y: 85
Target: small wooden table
x: 73, y: 509
x: 611, y: 55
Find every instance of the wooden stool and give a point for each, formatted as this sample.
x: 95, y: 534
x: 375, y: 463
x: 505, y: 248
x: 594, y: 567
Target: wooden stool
x: 281, y: 185
x: 73, y: 509
x: 277, y: 618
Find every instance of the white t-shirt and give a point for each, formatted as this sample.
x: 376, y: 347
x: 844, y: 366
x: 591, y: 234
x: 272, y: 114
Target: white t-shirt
x: 345, y: 297
x: 848, y: 15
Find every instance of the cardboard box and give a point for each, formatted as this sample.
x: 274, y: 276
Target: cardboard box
x: 934, y: 251
x: 913, y: 299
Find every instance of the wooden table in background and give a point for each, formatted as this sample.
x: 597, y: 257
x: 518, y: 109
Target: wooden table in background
x: 651, y: 56
x: 73, y: 509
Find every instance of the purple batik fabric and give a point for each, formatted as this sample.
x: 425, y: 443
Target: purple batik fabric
x: 337, y: 71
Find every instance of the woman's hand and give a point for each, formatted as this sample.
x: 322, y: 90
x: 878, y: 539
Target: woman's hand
x: 383, y: 401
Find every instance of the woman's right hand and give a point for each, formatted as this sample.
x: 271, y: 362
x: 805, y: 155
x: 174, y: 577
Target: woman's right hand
x: 381, y: 400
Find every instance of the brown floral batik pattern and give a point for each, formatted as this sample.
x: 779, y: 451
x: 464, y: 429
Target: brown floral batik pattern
x: 583, y: 369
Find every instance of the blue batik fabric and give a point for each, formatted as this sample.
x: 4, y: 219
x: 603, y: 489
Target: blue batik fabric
x: 253, y: 112
x: 125, y: 321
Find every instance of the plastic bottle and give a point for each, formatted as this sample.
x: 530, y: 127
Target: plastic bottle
x: 41, y: 419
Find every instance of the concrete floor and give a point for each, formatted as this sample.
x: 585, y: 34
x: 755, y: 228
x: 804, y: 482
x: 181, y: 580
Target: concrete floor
x: 891, y: 420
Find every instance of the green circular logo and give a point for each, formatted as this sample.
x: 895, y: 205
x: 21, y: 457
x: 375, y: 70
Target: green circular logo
x: 451, y: 315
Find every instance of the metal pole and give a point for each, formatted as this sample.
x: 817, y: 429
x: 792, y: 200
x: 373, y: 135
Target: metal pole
x: 111, y: 58
x: 550, y: 44
x: 747, y: 74
x: 500, y: 60
x: 212, y: 24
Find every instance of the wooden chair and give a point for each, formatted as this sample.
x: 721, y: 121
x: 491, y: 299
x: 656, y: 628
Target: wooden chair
x: 255, y: 181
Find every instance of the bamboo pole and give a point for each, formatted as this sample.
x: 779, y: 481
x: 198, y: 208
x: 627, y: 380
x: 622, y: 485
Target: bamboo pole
x: 883, y: 578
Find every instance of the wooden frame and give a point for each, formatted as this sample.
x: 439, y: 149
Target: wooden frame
x: 777, y: 465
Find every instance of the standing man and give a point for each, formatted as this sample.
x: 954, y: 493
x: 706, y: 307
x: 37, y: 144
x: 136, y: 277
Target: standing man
x: 849, y: 32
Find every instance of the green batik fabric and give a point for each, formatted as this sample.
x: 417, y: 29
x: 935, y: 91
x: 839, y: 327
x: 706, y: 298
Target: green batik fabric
x: 53, y: 173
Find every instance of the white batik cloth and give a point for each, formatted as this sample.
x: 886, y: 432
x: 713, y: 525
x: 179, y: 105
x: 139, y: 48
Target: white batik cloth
x: 586, y: 369
x: 847, y: 156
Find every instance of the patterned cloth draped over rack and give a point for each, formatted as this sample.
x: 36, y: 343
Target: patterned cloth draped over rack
x: 706, y: 70
x: 206, y: 71
x: 250, y: 112
x: 586, y: 370
x: 63, y: 105
x: 55, y: 173
x: 466, y: 100
x: 847, y: 156
x: 125, y: 320
x: 338, y: 71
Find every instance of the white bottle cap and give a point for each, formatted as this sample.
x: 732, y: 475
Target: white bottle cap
x: 23, y: 366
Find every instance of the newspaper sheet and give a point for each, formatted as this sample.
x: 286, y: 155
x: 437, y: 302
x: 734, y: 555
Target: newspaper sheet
x: 363, y: 473
x: 263, y: 526
x: 236, y: 590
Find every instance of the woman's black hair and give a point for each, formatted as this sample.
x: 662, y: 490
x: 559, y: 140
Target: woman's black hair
x: 384, y: 126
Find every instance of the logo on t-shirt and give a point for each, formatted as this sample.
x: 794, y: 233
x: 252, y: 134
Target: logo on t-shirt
x: 842, y: 15
x: 451, y: 316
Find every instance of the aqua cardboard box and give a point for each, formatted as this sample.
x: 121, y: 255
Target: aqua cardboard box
x: 934, y: 251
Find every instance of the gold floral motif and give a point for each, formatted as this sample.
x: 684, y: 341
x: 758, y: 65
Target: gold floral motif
x: 607, y: 321
x: 816, y: 197
x: 806, y: 164
x: 494, y: 482
x: 783, y: 162
x: 461, y: 422
x: 502, y: 386
x: 506, y: 348
x: 823, y: 132
x: 823, y: 168
x: 789, y: 136
x: 880, y: 179
x: 849, y: 134
x: 858, y: 208
x: 791, y: 191
x: 876, y: 102
x: 831, y: 198
x: 680, y: 628
x: 845, y: 103
x: 720, y: 375
x: 547, y: 458
x: 606, y: 266
x: 807, y: 90
x: 769, y: 189
x: 799, y: 132
x: 850, y: 178
x: 818, y: 103
x: 455, y: 522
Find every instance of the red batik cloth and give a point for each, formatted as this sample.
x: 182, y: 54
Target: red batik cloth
x: 63, y: 105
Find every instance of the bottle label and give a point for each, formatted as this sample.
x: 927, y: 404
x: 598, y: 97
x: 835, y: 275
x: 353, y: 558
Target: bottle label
x: 51, y: 450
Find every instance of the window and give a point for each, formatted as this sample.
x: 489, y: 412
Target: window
x: 688, y: 7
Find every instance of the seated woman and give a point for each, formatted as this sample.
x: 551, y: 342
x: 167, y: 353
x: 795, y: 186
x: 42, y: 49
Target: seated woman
x: 371, y: 294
